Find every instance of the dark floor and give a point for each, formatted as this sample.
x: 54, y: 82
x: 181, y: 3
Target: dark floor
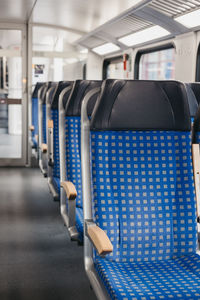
x: 37, y: 259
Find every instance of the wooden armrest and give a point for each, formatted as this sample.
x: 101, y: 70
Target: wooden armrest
x: 50, y: 123
x: 44, y: 148
x: 31, y: 128
x: 69, y: 189
x: 100, y: 240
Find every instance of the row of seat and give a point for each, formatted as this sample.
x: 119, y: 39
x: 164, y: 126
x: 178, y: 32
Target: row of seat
x: 118, y: 155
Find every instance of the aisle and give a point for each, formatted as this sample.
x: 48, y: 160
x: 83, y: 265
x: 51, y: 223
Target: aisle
x: 37, y: 260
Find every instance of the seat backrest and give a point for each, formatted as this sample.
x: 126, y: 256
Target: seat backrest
x: 195, y: 88
x: 142, y: 177
x: 35, y: 107
x: 49, y: 85
x: 73, y: 131
x: 55, y: 117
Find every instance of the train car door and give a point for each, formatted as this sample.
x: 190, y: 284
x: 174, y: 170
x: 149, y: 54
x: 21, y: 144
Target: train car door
x: 13, y: 95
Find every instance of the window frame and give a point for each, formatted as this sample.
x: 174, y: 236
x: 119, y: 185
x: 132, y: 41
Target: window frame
x: 108, y: 61
x: 84, y: 71
x: 146, y: 51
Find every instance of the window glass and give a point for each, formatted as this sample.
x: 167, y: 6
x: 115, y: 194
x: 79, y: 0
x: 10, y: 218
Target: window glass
x: 115, y: 70
x: 157, y: 65
x: 54, y: 56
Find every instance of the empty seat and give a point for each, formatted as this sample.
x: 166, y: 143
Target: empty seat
x: 72, y: 209
x: 53, y: 138
x: 34, y: 126
x: 138, y: 192
x: 48, y: 91
x: 195, y: 88
x: 193, y: 92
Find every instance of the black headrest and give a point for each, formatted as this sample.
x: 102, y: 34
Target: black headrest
x: 192, y: 92
x: 195, y: 86
x: 66, y: 97
x: 79, y: 90
x: 36, y: 89
x: 48, y: 86
x: 43, y: 90
x: 60, y: 86
x: 141, y: 105
x: 196, y: 124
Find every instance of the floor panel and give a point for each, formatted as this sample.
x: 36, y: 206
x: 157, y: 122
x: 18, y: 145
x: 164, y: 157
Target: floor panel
x: 37, y: 259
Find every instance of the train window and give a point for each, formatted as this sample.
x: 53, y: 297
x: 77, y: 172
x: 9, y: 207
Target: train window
x: 50, y: 62
x: 113, y: 68
x: 156, y: 64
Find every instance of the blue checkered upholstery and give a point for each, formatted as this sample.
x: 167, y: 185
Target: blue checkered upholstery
x: 56, y: 166
x: 79, y: 222
x: 73, y: 159
x: 34, y: 120
x: 56, y: 183
x: 177, y: 278
x: 44, y: 134
x: 143, y: 196
x: 73, y: 154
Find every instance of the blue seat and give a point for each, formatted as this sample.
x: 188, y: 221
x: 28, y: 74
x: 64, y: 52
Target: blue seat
x: 177, y: 278
x: 34, y: 132
x: 73, y: 141
x: 194, y: 105
x: 143, y: 191
x: 54, y: 172
x: 49, y: 89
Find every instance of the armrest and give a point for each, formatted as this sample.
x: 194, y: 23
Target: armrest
x: 31, y: 128
x: 99, y: 239
x: 50, y: 123
x: 69, y: 189
x: 44, y: 148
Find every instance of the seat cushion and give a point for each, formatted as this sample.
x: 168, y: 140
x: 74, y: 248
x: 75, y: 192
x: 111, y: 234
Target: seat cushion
x: 56, y: 182
x: 79, y: 222
x: 168, y: 279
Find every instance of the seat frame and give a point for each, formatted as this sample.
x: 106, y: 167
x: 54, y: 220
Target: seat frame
x: 94, y: 279
x: 50, y: 149
x: 42, y: 156
x: 69, y: 217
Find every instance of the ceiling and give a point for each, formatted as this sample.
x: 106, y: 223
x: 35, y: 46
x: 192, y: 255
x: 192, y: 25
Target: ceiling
x: 90, y: 23
x: 82, y: 15
x: 15, y: 10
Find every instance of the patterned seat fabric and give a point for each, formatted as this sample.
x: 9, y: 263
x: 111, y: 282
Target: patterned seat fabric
x: 35, y: 113
x: 73, y: 154
x: 55, y: 117
x: 79, y: 222
x: 177, y: 278
x: 34, y: 120
x: 143, y: 195
x: 44, y: 135
x: 73, y: 141
x: 56, y: 166
x: 56, y: 183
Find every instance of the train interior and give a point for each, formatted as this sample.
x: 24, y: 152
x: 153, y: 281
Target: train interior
x: 99, y: 149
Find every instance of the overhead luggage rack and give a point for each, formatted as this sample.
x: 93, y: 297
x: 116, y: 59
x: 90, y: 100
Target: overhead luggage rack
x: 174, y: 8
x: 140, y: 17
